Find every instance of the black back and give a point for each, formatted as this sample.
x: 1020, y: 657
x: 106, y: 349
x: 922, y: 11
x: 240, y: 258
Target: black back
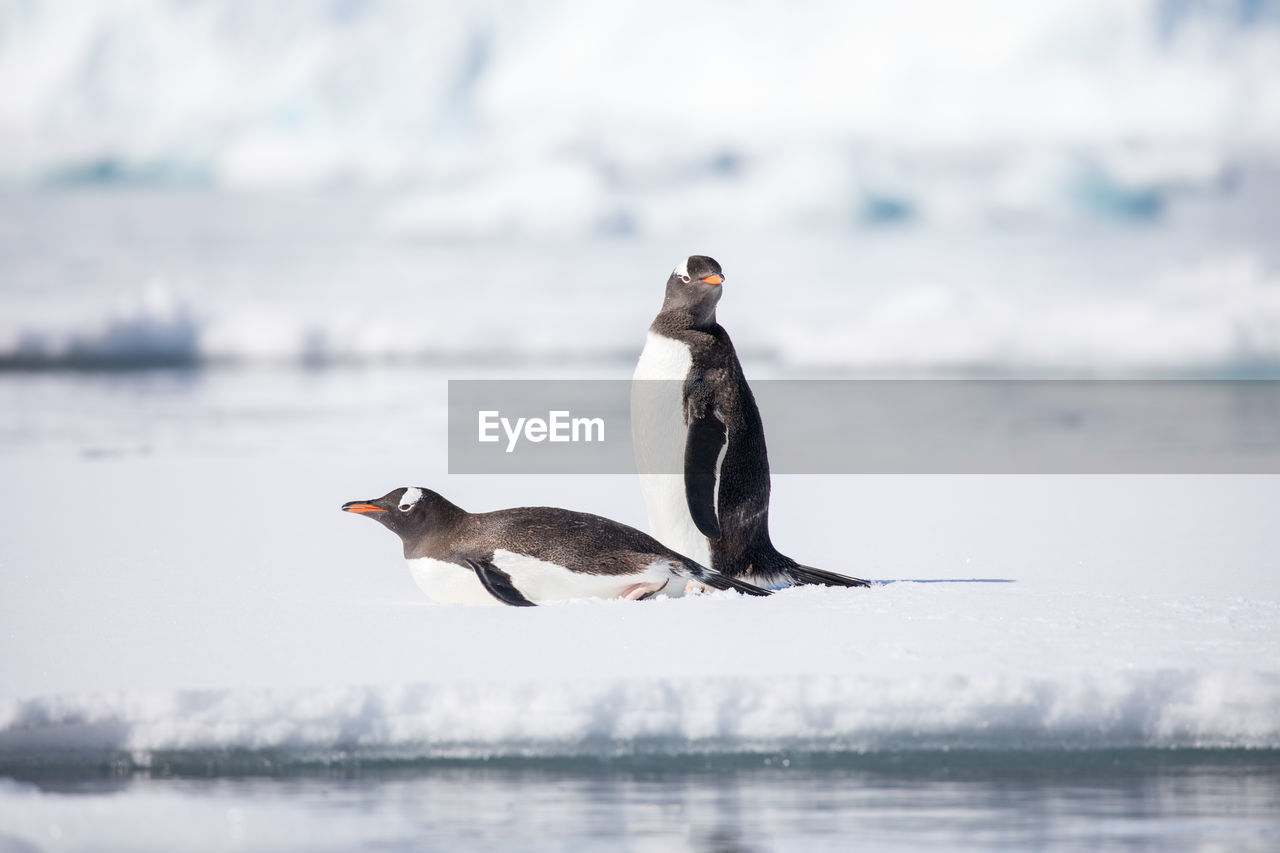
x: 579, y: 541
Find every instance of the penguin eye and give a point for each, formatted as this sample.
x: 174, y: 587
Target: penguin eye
x: 685, y: 279
x: 405, y: 507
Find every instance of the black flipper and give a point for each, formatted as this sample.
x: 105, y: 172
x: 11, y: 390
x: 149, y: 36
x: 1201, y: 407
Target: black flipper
x: 498, y: 583
x: 701, y: 453
x: 810, y: 575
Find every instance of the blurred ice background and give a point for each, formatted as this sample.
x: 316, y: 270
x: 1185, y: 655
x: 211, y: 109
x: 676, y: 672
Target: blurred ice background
x: 244, y: 244
x: 1076, y: 185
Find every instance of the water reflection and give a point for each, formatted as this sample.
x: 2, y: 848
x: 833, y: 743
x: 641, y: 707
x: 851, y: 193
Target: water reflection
x: 977, y: 801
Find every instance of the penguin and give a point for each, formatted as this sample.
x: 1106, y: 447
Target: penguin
x: 699, y: 441
x: 530, y: 555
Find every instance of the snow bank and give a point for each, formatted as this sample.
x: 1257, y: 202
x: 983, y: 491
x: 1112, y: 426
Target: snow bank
x: 663, y: 716
x: 1221, y: 314
x: 251, y: 614
x: 150, y: 328
x: 158, y: 326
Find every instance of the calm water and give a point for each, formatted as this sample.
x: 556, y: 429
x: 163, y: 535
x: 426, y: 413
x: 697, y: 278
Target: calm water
x: 975, y: 801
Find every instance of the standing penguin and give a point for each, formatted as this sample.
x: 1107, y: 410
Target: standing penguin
x: 693, y: 412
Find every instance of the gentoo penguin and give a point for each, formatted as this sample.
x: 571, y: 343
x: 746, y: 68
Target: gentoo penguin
x: 530, y: 555
x: 701, y: 419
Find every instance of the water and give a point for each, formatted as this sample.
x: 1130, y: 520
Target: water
x: 1196, y: 800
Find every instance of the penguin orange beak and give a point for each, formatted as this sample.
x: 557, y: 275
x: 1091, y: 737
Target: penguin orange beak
x: 361, y: 507
x: 714, y: 279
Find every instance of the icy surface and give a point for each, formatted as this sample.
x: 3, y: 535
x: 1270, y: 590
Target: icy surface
x: 1130, y: 612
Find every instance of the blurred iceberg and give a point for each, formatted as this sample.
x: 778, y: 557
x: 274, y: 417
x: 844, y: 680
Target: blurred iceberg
x: 565, y: 118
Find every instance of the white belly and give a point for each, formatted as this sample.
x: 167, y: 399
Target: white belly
x: 537, y: 580
x: 658, y: 433
x: 448, y: 583
x: 541, y: 582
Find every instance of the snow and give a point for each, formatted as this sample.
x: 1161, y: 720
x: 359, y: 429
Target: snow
x: 1076, y: 612
x: 1138, y: 611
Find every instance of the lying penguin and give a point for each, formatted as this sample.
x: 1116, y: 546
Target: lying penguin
x: 530, y: 555
x: 693, y: 412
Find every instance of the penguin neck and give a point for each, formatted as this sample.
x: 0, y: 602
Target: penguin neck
x: 682, y: 313
x: 440, y: 530
x: 683, y: 318
x: 446, y: 512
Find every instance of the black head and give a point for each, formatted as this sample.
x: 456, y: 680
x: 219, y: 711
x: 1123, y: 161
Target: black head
x: 694, y: 289
x: 412, y: 513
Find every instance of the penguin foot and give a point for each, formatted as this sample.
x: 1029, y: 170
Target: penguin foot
x: 641, y: 591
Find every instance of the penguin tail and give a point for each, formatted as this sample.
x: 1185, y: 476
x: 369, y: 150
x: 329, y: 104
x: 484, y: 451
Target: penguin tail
x: 717, y: 580
x: 808, y: 575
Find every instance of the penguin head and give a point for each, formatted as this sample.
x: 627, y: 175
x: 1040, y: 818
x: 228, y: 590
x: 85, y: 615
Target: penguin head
x: 694, y: 288
x: 411, y: 513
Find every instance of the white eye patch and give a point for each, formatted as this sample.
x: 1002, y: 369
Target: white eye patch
x: 410, y: 497
x: 683, y: 270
